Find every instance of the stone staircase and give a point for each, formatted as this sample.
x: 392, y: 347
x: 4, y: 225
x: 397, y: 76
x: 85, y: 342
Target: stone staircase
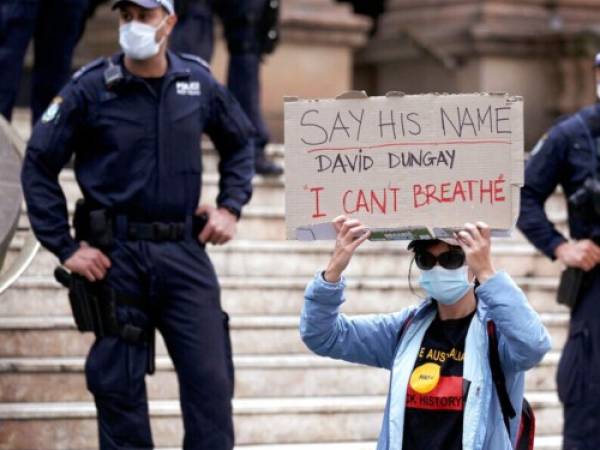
x: 286, y: 398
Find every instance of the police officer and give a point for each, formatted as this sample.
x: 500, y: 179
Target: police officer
x: 568, y: 156
x: 55, y: 27
x: 134, y: 123
x: 250, y: 31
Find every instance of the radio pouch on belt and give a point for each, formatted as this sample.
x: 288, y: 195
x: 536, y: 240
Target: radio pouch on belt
x: 94, y: 226
x: 94, y: 307
x: 91, y: 309
x: 569, y: 287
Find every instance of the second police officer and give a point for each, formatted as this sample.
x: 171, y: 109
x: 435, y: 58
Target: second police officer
x: 55, y: 27
x: 134, y: 123
x: 568, y: 155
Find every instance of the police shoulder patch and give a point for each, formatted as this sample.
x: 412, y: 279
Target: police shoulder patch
x: 539, y: 144
x: 196, y: 59
x: 52, y: 112
x: 96, y: 63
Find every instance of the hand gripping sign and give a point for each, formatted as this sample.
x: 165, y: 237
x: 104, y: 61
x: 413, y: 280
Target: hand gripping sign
x: 408, y: 166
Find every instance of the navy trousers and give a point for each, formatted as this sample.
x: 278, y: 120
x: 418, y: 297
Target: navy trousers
x: 194, y: 34
x: 182, y: 292
x: 578, y: 375
x: 55, y: 27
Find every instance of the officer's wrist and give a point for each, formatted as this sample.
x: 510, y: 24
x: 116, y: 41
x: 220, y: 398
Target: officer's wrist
x: 560, y: 249
x: 231, y: 210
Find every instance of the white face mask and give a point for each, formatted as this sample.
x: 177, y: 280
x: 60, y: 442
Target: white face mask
x: 138, y: 40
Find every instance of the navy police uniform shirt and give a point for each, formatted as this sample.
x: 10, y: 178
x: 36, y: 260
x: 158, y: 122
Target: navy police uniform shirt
x: 137, y: 151
x: 565, y: 156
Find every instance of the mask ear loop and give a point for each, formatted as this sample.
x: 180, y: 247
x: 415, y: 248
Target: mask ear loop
x: 160, y: 25
x: 410, y: 286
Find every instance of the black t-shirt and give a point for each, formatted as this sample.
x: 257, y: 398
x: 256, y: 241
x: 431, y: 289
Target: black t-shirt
x: 155, y: 84
x: 435, y: 396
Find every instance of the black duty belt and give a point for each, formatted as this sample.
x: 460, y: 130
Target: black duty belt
x: 99, y: 227
x: 158, y: 231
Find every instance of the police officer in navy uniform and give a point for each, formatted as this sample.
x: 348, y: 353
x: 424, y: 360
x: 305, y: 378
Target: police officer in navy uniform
x: 568, y: 155
x: 134, y: 123
x: 55, y: 26
x: 250, y: 31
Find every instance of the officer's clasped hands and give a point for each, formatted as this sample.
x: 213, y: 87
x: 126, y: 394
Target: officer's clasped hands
x: 583, y: 254
x: 88, y: 262
x: 220, y: 227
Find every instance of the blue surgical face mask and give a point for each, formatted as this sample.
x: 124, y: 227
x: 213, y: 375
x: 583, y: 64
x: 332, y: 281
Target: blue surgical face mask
x: 445, y: 285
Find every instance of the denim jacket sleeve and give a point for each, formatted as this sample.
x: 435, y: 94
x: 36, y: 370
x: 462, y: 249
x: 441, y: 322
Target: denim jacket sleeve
x: 522, y: 338
x: 369, y: 340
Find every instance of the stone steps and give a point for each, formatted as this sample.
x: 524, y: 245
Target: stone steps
x: 257, y: 376
x: 267, y: 191
x: 281, y: 295
x: 265, y: 335
x: 72, y: 425
x: 260, y: 223
x: 248, y: 258
x: 64, y: 426
x: 286, y: 398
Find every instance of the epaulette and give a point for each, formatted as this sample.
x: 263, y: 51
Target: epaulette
x: 196, y: 59
x: 94, y: 64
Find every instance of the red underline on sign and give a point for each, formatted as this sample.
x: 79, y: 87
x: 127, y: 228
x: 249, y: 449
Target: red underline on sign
x: 405, y: 144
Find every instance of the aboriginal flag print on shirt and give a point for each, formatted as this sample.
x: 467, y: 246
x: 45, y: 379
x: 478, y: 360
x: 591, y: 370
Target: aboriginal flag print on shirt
x: 435, y: 396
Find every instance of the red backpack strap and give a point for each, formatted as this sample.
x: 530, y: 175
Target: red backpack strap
x: 526, y: 436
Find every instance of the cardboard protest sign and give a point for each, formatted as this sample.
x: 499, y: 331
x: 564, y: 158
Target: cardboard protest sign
x: 408, y: 166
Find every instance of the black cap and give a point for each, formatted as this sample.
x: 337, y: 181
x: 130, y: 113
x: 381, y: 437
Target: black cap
x: 424, y: 243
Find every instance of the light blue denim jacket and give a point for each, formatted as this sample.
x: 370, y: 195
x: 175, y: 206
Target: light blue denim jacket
x: 373, y: 340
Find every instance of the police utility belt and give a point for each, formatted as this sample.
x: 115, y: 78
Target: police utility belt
x: 100, y: 227
x: 94, y: 305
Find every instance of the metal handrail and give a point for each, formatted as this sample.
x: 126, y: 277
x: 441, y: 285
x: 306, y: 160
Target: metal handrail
x: 31, y: 245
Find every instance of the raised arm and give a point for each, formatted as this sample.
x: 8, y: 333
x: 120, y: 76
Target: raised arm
x: 367, y: 340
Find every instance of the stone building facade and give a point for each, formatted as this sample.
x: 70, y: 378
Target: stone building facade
x: 540, y: 49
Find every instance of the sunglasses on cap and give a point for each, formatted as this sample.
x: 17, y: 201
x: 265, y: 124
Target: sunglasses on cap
x: 451, y: 259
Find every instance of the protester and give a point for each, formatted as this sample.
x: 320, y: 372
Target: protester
x: 441, y: 390
x: 134, y: 122
x: 568, y: 156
